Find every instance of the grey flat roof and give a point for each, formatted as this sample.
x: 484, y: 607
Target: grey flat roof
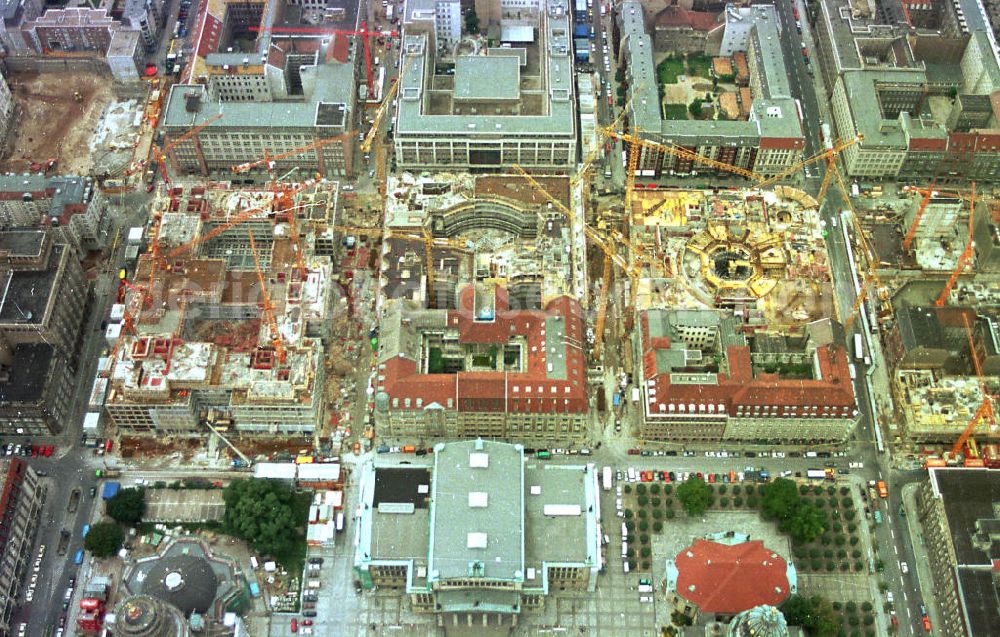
x: 484, y: 78
x: 27, y: 243
x: 867, y: 114
x: 27, y: 384
x: 559, y: 120
x: 501, y: 520
x: 25, y: 294
x: 767, y: 37
x: 561, y: 538
x: 971, y: 498
x: 334, y: 83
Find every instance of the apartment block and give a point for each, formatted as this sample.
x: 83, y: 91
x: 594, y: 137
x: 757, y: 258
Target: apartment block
x: 75, y: 209
x: 956, y: 511
x: 21, y: 503
x: 699, y: 381
x: 919, y: 102
x: 45, y: 292
x: 484, y: 369
x: 514, y: 105
x: 292, y: 93
x: 479, y: 533
x: 768, y: 142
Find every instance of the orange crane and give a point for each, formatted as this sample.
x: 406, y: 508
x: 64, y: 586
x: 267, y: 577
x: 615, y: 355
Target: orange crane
x: 246, y: 215
x: 276, y: 340
x: 161, y: 155
x: 985, y: 410
x: 912, y: 232
x: 284, y: 206
x: 965, y: 257
x: 269, y: 160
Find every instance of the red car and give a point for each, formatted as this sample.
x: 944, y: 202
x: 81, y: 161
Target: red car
x: 711, y: 477
x: 295, y: 625
x: 633, y: 452
x: 666, y: 477
x: 307, y: 622
x: 109, y: 444
x: 48, y: 450
x: 700, y: 477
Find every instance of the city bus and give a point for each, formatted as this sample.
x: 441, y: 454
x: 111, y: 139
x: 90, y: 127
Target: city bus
x: 606, y: 478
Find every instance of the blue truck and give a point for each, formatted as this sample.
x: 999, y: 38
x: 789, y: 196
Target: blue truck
x: 110, y: 489
x: 616, y: 400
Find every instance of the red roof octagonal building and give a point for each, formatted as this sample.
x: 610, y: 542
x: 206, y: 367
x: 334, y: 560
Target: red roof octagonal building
x: 726, y: 575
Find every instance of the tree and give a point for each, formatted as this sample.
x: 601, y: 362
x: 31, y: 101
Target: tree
x: 128, y: 506
x: 264, y: 513
x: 695, y: 108
x: 815, y: 614
x: 677, y: 618
x: 780, y: 499
x: 471, y: 21
x: 104, y: 539
x: 694, y: 495
x: 806, y: 524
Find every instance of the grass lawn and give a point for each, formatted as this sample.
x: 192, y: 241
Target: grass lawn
x: 699, y: 65
x: 668, y: 70
x: 675, y: 111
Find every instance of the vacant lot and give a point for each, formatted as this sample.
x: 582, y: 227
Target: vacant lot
x: 59, y: 112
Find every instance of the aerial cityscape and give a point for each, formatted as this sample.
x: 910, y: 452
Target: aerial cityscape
x: 459, y: 318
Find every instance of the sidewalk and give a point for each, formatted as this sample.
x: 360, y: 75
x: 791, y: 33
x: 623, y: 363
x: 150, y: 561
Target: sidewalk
x: 920, y: 569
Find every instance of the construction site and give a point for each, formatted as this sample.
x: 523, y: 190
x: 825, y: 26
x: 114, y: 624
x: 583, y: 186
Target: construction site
x: 72, y: 118
x: 226, y: 321
x: 759, y: 249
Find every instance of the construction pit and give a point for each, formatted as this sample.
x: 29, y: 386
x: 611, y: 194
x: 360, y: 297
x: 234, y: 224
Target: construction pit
x: 59, y: 114
x: 761, y: 250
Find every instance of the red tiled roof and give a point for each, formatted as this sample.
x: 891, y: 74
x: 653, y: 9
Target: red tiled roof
x: 725, y: 579
x: 741, y: 392
x: 787, y: 143
x: 528, y: 391
x: 681, y: 17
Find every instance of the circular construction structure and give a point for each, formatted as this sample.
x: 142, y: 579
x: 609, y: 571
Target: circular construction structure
x: 734, y: 262
x: 147, y: 616
x: 186, y: 582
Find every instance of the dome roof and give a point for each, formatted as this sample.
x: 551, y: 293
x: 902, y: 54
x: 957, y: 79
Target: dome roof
x: 185, y: 581
x: 145, y: 616
x: 760, y: 621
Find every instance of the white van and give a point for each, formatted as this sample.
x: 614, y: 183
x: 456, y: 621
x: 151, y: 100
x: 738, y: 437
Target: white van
x: 624, y: 549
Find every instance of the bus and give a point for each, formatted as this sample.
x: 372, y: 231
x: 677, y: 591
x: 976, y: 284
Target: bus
x: 543, y: 454
x: 859, y: 347
x: 883, y: 492
x: 816, y: 474
x: 606, y: 478
x: 340, y: 521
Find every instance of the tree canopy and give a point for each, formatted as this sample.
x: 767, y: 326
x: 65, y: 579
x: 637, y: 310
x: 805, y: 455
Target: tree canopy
x: 471, y: 21
x: 694, y: 495
x: 780, y: 499
x: 127, y: 506
x: 806, y: 524
x: 264, y: 513
x: 104, y: 539
x: 815, y: 614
